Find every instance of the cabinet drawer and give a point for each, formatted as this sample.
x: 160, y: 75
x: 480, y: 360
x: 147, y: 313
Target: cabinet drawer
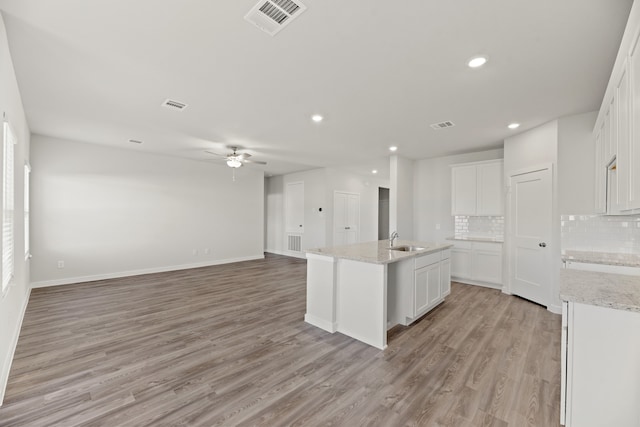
x: 462, y: 245
x: 446, y: 254
x: 424, y: 260
x: 486, y: 246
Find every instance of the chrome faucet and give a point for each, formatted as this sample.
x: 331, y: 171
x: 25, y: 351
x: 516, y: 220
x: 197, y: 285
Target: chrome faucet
x: 393, y: 237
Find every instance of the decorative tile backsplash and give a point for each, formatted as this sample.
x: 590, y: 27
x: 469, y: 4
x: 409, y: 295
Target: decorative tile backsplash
x: 595, y: 233
x: 479, y: 226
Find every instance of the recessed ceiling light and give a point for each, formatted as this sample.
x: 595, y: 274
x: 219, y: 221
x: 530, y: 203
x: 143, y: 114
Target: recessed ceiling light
x: 317, y: 118
x: 514, y: 126
x: 477, y: 61
x: 374, y: 171
x: 393, y: 148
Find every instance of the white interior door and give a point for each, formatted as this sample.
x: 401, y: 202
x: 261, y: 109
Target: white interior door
x: 531, y: 223
x: 294, y: 207
x: 346, y: 218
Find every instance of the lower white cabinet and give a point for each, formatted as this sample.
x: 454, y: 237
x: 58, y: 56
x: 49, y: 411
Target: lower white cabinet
x: 417, y: 285
x: 477, y: 263
x: 600, y: 366
x: 426, y: 288
x: 445, y: 277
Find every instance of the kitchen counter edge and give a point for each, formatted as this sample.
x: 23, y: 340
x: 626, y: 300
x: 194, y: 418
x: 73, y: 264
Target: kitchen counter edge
x: 617, y: 291
x: 378, y: 252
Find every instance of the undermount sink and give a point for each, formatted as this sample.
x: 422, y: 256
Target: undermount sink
x: 406, y: 248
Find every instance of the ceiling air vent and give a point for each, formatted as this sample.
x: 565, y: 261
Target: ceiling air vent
x: 442, y: 125
x: 174, y: 105
x: 273, y: 15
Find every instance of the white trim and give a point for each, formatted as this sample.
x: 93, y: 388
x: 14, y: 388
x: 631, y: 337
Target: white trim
x: 555, y: 309
x: 300, y: 255
x: 106, y: 276
x: 6, y: 367
x: 477, y: 283
x: 330, y: 327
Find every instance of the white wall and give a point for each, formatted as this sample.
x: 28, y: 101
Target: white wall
x: 535, y: 147
x: 110, y: 212
x: 576, y: 164
x: 401, y: 197
x: 319, y: 187
x: 314, y: 221
x: 14, y: 301
x: 432, y: 194
x: 367, y: 188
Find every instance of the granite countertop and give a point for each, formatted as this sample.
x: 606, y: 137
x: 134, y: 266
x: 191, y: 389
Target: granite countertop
x: 617, y: 291
x: 496, y: 239
x: 378, y: 252
x: 628, y: 260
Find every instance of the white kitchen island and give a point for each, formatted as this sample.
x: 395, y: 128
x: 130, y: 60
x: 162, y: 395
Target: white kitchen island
x: 362, y: 290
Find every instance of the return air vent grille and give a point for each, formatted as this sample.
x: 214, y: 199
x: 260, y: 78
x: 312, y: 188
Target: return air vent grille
x: 271, y: 16
x: 174, y: 105
x: 294, y: 242
x: 442, y: 125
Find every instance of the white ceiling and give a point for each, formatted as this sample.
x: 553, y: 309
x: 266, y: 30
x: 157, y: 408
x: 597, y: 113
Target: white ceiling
x: 380, y: 72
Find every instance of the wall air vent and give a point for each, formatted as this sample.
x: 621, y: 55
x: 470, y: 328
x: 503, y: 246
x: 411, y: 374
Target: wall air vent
x: 271, y: 16
x: 135, y: 141
x: 442, y: 125
x: 174, y: 105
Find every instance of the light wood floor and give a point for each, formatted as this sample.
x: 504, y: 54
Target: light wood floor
x: 227, y: 346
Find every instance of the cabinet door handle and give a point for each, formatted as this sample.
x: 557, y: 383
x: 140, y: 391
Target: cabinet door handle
x: 542, y: 245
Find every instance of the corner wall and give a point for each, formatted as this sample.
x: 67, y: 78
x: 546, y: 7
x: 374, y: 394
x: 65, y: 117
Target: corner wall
x: 432, y: 194
x: 107, y: 212
x: 14, y: 302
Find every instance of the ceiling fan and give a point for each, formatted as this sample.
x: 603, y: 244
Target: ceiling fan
x: 235, y: 160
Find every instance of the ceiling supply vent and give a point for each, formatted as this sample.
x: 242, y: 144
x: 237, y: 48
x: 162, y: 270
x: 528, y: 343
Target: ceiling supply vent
x: 135, y: 141
x: 271, y: 16
x: 174, y: 105
x: 442, y: 125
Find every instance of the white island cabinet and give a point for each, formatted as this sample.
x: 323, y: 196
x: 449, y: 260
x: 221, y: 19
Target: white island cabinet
x: 600, y: 351
x: 363, y: 290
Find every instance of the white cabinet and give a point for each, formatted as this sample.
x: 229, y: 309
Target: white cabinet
x: 617, y: 130
x: 445, y: 277
x: 601, y: 369
x: 417, y: 285
x: 461, y: 260
x: 476, y: 189
x: 477, y: 263
x: 426, y: 288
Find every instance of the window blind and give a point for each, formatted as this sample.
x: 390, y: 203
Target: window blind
x: 8, y: 143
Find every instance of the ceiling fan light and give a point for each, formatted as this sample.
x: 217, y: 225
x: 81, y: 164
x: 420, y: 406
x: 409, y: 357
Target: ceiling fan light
x: 234, y: 163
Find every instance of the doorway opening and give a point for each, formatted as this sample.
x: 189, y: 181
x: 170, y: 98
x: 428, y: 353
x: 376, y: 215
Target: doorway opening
x: 383, y: 213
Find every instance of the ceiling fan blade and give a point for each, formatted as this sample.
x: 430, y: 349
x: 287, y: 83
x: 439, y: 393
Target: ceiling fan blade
x: 215, y: 154
x: 256, y: 162
x: 243, y: 156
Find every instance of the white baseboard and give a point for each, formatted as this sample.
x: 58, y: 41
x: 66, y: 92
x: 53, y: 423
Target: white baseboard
x: 300, y: 255
x: 477, y: 283
x: 6, y: 366
x: 321, y: 323
x: 555, y: 309
x: 117, y: 275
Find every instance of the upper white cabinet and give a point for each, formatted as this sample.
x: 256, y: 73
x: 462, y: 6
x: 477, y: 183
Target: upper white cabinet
x: 617, y: 130
x: 476, y: 189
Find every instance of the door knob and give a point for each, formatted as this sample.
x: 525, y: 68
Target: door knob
x: 347, y: 228
x: 542, y: 245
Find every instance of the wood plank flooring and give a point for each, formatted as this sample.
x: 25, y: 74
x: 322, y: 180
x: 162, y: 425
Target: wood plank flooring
x: 227, y: 346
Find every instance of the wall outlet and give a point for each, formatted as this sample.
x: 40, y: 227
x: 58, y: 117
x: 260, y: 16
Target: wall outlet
x: 60, y: 264
x: 437, y: 226
x: 207, y: 251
